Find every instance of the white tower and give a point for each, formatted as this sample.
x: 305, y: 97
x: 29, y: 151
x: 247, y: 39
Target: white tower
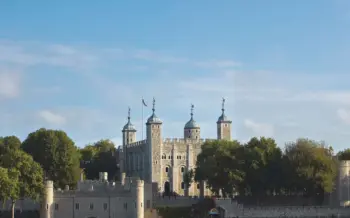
x: 138, y: 195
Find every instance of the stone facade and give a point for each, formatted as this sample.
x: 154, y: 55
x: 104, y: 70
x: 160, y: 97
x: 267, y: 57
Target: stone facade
x: 164, y: 161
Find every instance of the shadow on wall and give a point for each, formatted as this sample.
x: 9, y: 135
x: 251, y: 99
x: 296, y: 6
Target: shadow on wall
x: 19, y: 214
x: 282, y: 200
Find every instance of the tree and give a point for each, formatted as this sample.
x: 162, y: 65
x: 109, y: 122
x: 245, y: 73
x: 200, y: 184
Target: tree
x: 312, y: 168
x: 262, y: 166
x: 220, y: 165
x: 100, y: 157
x: 344, y: 155
x: 56, y: 153
x: 9, y: 142
x: 188, y: 179
x: 21, y: 177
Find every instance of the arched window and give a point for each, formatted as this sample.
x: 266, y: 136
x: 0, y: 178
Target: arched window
x: 182, y: 169
x: 164, y: 156
x: 166, y: 169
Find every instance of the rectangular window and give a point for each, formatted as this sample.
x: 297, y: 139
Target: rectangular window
x: 56, y: 206
x: 105, y: 206
x: 91, y: 206
x: 77, y: 206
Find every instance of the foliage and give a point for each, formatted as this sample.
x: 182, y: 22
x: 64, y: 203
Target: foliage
x: 20, y: 175
x: 260, y: 168
x: 311, y: 166
x: 188, y: 178
x: 99, y: 157
x: 56, y: 153
x: 219, y: 164
x: 344, y: 155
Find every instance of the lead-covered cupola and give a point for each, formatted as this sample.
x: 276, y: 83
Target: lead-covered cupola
x: 192, y: 129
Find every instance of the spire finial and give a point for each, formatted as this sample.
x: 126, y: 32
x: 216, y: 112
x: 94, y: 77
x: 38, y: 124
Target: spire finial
x: 154, y: 105
x: 223, y: 105
x: 129, y: 110
x: 192, y: 107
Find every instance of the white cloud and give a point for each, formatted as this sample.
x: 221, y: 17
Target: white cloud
x: 259, y: 129
x: 218, y: 64
x: 344, y: 115
x: 9, y: 84
x: 52, y: 118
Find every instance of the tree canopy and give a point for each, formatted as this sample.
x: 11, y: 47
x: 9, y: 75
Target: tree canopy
x: 259, y: 168
x: 20, y: 175
x: 56, y: 153
x: 99, y: 157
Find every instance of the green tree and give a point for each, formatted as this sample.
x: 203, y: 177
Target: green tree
x: 9, y: 142
x: 219, y: 164
x: 21, y: 177
x: 344, y: 155
x: 263, y: 167
x: 56, y: 153
x: 100, y: 157
x: 313, y: 170
x: 188, y: 177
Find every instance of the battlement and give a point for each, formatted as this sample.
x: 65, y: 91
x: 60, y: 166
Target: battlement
x: 136, y: 144
x: 182, y: 140
x: 49, y: 184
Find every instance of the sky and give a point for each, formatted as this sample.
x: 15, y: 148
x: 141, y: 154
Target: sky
x: 283, y: 67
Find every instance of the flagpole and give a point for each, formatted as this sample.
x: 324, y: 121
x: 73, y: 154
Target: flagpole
x: 142, y: 118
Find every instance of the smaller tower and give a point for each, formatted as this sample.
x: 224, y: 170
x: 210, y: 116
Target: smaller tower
x: 138, y: 196
x: 192, y: 130
x: 223, y: 124
x: 46, y: 209
x: 129, y: 131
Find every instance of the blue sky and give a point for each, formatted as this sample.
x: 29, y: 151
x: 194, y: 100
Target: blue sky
x: 77, y: 65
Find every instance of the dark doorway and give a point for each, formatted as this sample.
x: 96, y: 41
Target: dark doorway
x: 166, y: 188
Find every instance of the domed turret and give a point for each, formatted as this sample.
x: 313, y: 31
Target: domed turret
x: 153, y: 119
x: 224, y: 124
x: 129, y: 131
x: 192, y: 129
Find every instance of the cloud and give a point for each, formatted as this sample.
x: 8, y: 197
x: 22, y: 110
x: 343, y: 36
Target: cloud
x: 153, y: 56
x: 9, y: 84
x: 52, y: 118
x: 218, y: 64
x: 259, y: 129
x: 344, y: 115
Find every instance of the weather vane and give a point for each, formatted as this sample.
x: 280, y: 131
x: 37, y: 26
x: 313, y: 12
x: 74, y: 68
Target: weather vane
x: 223, y: 104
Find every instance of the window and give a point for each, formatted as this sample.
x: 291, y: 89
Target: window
x: 169, y: 157
x: 91, y: 206
x: 198, y: 186
x: 77, y: 206
x: 166, y: 169
x: 182, y: 169
x: 196, y: 137
x: 105, y: 206
x: 56, y: 206
x: 163, y: 156
x: 182, y: 185
x: 148, y: 204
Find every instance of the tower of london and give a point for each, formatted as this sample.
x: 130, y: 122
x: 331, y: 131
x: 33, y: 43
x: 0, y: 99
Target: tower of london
x: 164, y: 161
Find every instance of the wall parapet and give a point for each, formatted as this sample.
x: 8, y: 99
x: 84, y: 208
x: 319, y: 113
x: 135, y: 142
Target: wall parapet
x: 137, y: 144
x: 182, y: 140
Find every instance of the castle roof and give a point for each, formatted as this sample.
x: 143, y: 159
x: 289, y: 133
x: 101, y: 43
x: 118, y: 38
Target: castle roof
x: 223, y: 118
x: 153, y: 119
x: 192, y: 124
x: 129, y: 126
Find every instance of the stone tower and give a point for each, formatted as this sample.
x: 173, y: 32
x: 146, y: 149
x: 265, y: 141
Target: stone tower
x: 138, y: 194
x: 129, y: 132
x: 192, y: 130
x: 154, y: 142
x: 129, y: 136
x: 47, y: 207
x: 224, y: 125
